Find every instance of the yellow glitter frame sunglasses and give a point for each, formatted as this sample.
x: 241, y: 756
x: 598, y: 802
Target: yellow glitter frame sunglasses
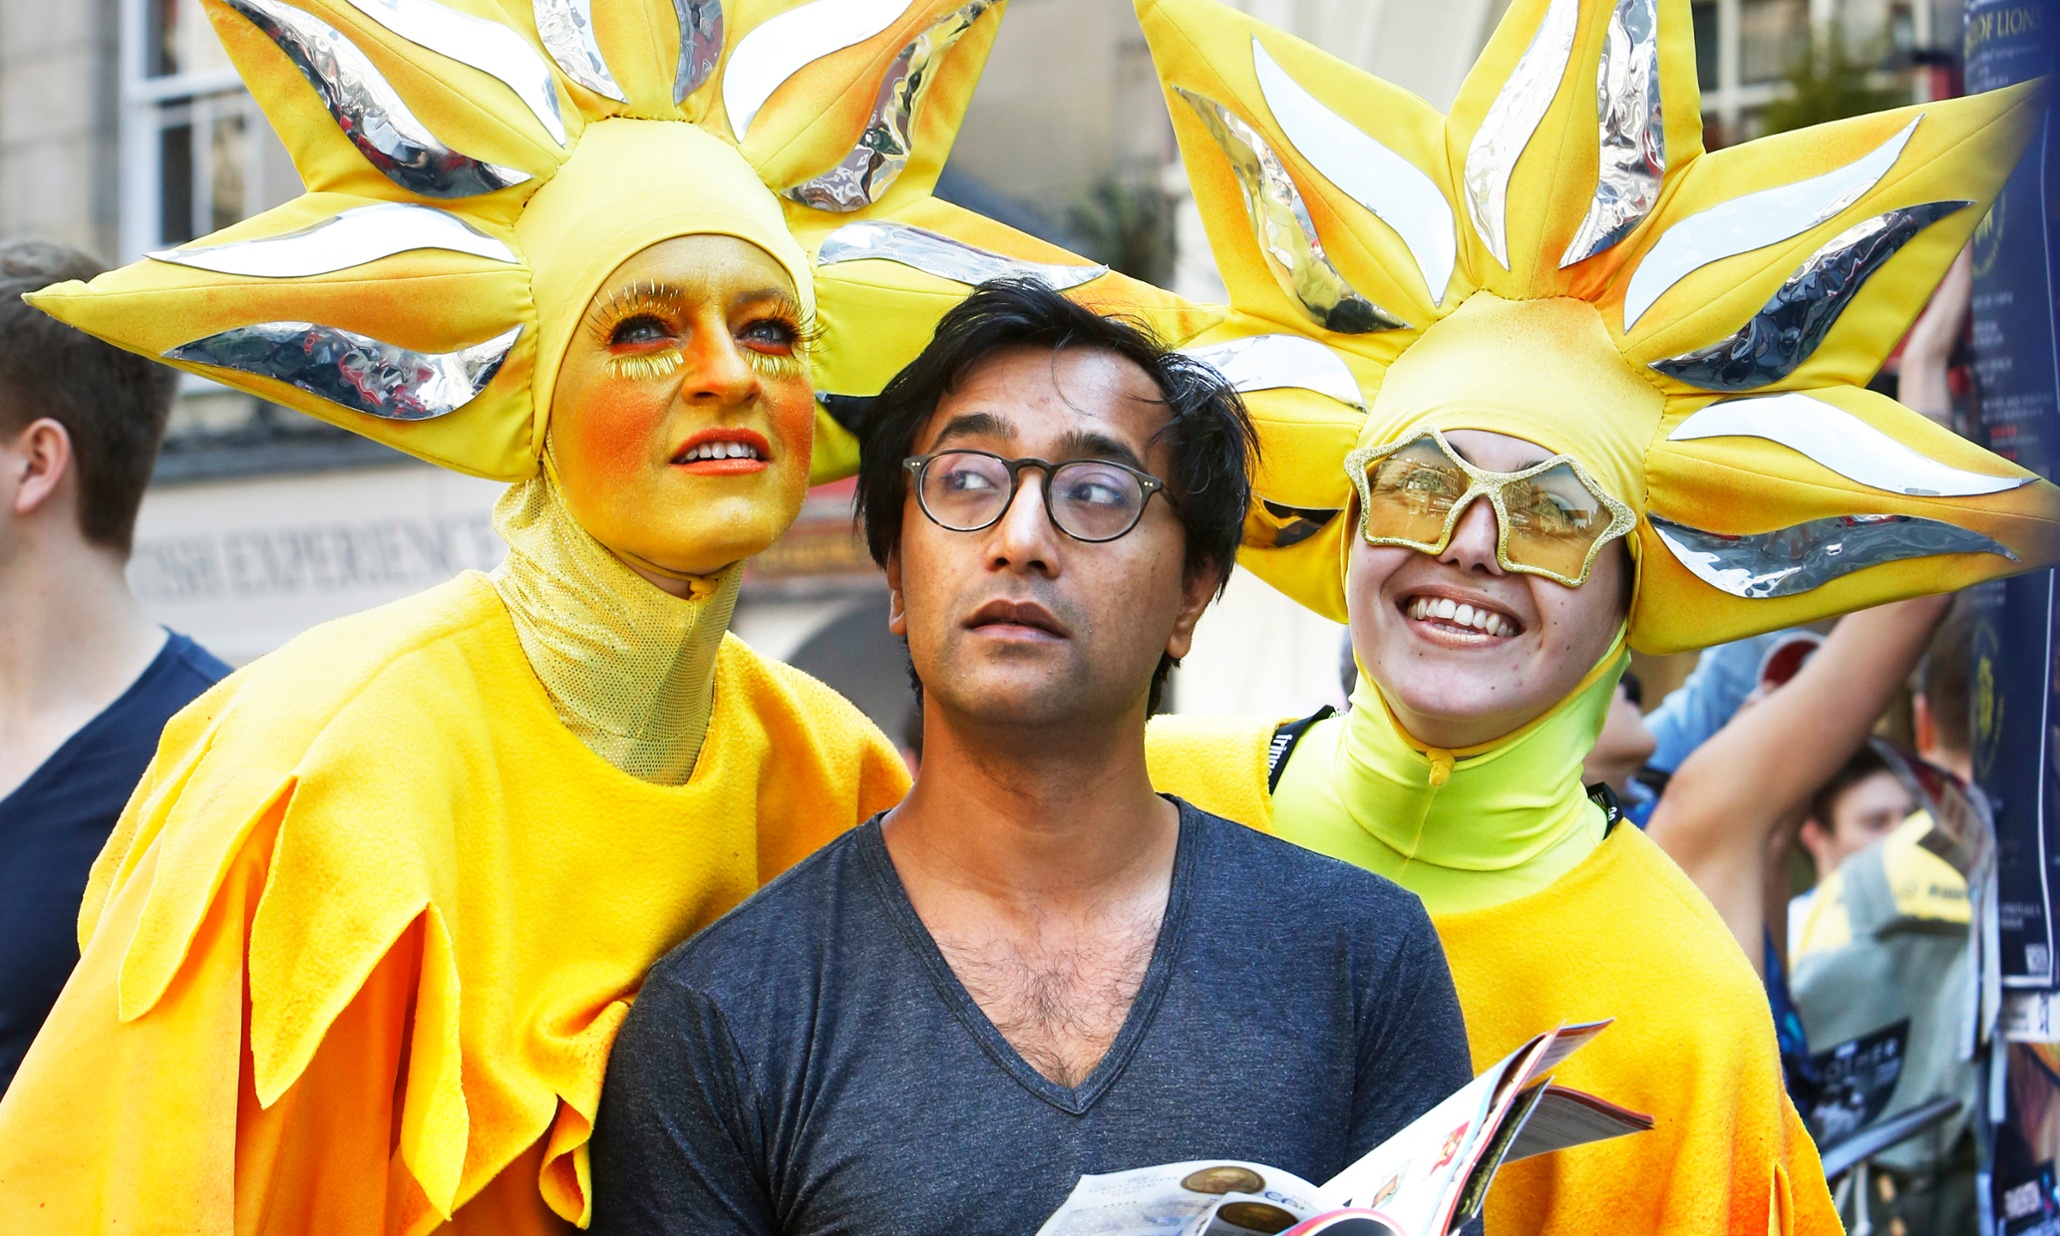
x: 1547, y: 516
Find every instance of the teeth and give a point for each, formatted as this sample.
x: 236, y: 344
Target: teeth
x: 1482, y: 619
x: 720, y: 450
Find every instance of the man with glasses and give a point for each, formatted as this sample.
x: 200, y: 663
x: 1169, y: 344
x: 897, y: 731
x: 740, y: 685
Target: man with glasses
x: 1034, y: 968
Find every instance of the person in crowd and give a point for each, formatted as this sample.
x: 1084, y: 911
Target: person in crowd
x: 86, y: 681
x: 1034, y: 967
x: 1559, y: 338
x: 1732, y: 809
x: 356, y: 955
x: 1863, y: 802
x: 1880, y: 946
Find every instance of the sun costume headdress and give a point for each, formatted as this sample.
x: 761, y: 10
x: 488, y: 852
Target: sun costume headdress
x: 357, y: 950
x: 1560, y: 259
x: 475, y: 170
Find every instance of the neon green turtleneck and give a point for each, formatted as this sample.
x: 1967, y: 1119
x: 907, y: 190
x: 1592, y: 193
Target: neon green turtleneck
x: 1510, y: 817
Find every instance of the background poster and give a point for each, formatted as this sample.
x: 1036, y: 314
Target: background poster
x: 2016, y: 347
x: 2014, y: 365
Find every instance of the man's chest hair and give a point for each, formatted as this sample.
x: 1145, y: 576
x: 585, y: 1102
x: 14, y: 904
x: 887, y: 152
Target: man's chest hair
x: 1058, y: 996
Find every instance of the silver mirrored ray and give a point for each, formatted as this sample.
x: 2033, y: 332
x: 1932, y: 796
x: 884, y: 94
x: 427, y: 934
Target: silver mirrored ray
x: 942, y: 256
x: 1792, y: 560
x: 567, y: 29
x: 1841, y: 442
x: 357, y: 236
x: 1366, y: 171
x: 1271, y: 362
x: 1286, y: 235
x: 355, y: 371
x: 1754, y: 221
x: 1511, y: 120
x: 875, y: 163
x: 1632, y: 131
x: 780, y: 48
x: 368, y: 110
x: 1788, y: 329
x: 488, y: 46
x: 700, y: 45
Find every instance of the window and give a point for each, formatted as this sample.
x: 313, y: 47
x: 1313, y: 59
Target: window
x: 1772, y: 36
x: 197, y: 154
x: 1706, y: 44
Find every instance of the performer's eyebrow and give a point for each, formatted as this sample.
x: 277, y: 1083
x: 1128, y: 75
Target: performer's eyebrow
x: 773, y: 293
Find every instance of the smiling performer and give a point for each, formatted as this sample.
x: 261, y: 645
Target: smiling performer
x: 1583, y: 384
x: 355, y: 956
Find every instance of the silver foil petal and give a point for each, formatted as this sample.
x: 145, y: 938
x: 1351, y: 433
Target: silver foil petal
x: 783, y: 46
x: 875, y: 163
x: 700, y: 45
x: 1511, y: 120
x: 1793, y: 560
x: 1754, y: 221
x: 942, y: 256
x: 1788, y: 328
x: 355, y: 371
x: 488, y: 46
x: 567, y: 29
x: 1633, y: 134
x: 1842, y: 442
x: 1272, y: 362
x: 357, y: 236
x: 1384, y: 182
x: 367, y: 109
x: 1286, y: 235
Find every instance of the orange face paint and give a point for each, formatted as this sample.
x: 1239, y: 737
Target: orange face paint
x: 683, y: 416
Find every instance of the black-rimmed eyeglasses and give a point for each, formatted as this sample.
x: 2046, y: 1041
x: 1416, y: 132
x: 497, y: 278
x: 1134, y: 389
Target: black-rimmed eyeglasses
x: 1090, y: 500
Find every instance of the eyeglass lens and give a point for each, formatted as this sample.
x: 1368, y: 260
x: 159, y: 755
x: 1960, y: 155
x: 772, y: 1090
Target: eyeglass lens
x: 1089, y: 500
x: 1554, y: 518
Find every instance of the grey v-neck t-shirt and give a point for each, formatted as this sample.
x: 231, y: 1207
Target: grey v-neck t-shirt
x: 809, y: 1064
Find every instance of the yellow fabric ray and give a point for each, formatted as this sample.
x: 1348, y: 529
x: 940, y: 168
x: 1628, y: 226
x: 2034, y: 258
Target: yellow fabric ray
x: 1734, y: 242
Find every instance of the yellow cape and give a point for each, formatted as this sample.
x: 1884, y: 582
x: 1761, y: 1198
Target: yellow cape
x: 402, y: 1045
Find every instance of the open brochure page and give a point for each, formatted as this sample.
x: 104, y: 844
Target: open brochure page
x: 1206, y: 1197
x: 1422, y: 1181
x: 1415, y: 1178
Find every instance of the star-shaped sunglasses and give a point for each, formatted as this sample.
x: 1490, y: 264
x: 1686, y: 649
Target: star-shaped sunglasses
x: 1552, y: 519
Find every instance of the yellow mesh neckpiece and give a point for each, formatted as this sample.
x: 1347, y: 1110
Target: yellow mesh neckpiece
x: 629, y: 668
x: 476, y: 168
x: 1560, y: 259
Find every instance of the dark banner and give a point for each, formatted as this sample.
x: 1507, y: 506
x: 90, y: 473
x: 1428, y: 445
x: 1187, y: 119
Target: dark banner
x: 2016, y: 345
x: 2015, y: 350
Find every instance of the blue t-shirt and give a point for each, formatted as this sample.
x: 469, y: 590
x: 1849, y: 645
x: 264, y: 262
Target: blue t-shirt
x: 810, y: 1064
x: 53, y: 825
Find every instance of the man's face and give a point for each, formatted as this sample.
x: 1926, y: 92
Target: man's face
x: 1868, y: 810
x: 1019, y: 624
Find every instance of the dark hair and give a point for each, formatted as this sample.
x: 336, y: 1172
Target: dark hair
x: 1212, y: 439
x: 1864, y: 763
x: 114, y: 404
x: 1944, y: 675
x: 1210, y: 435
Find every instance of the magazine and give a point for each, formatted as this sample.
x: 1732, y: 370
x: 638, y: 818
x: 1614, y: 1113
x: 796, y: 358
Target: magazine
x: 1425, y: 1181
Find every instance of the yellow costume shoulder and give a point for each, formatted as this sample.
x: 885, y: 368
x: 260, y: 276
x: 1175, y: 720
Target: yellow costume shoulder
x: 1626, y: 935
x: 378, y: 862
x: 1623, y: 934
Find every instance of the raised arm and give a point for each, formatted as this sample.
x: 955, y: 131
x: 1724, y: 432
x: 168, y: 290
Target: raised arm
x: 1723, y: 805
